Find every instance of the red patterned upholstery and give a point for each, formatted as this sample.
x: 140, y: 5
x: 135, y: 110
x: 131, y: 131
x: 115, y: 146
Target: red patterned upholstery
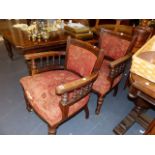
x: 114, y: 46
x: 102, y: 85
x: 40, y: 90
x: 80, y: 60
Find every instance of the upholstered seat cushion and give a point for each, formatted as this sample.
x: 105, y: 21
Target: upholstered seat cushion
x: 102, y: 85
x: 40, y: 91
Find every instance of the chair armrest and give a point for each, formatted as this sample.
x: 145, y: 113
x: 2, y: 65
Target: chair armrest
x: 117, y: 62
x: 80, y: 89
x: 44, y: 61
x: 117, y: 66
x: 73, y: 91
x: 43, y: 54
x: 71, y: 86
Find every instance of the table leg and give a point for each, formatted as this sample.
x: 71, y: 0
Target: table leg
x: 9, y: 48
x: 132, y: 117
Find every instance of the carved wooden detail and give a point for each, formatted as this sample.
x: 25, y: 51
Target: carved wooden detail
x: 77, y: 95
x: 43, y: 62
x: 117, y: 70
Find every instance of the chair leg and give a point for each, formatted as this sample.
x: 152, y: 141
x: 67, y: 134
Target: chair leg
x: 115, y: 90
x: 86, y: 111
x: 127, y: 82
x: 28, y: 106
x: 99, y: 104
x: 51, y: 130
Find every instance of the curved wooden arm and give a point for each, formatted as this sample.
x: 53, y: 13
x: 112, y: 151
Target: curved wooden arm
x: 117, y: 67
x: 43, y: 54
x: 64, y: 88
x: 119, y: 61
x: 79, y: 89
x: 44, y: 61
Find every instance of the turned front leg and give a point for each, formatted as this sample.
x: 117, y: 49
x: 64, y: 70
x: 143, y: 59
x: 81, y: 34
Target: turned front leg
x: 52, y: 130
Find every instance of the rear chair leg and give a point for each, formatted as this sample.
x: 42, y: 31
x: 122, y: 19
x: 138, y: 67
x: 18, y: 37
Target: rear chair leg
x: 127, y: 82
x: 86, y: 111
x: 115, y: 90
x: 99, y: 104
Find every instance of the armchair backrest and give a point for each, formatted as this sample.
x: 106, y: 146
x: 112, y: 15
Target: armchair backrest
x: 82, y: 57
x: 114, y: 44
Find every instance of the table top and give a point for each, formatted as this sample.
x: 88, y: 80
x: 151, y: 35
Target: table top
x: 143, y: 85
x: 20, y: 40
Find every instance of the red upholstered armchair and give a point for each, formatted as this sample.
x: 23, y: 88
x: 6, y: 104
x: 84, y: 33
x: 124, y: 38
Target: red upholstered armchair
x: 117, y: 49
x: 56, y: 95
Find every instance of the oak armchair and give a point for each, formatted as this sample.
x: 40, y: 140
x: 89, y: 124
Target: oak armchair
x: 117, y: 49
x: 55, y: 91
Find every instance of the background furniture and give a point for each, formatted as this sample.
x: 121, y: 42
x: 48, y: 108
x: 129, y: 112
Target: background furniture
x: 143, y: 92
x: 59, y: 94
x: 118, y: 25
x: 151, y: 129
x: 18, y: 39
x: 82, y: 21
x: 144, y: 33
x: 145, y: 28
x: 117, y: 49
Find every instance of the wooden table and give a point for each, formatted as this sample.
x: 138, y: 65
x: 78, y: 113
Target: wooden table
x: 143, y: 92
x: 18, y: 39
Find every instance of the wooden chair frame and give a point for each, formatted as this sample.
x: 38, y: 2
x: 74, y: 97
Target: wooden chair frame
x: 116, y: 67
x: 80, y: 88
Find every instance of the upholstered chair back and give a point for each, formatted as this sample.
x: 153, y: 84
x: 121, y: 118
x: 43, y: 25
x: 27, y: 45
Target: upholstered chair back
x: 114, y: 45
x: 80, y: 60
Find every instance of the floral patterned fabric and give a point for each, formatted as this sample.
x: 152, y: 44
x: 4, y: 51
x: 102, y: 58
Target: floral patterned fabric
x: 40, y: 91
x: 114, y: 46
x: 80, y: 60
x: 102, y: 85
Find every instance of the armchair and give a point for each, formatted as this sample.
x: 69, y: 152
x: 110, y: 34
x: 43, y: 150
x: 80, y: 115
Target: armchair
x: 117, y: 50
x: 56, y: 92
